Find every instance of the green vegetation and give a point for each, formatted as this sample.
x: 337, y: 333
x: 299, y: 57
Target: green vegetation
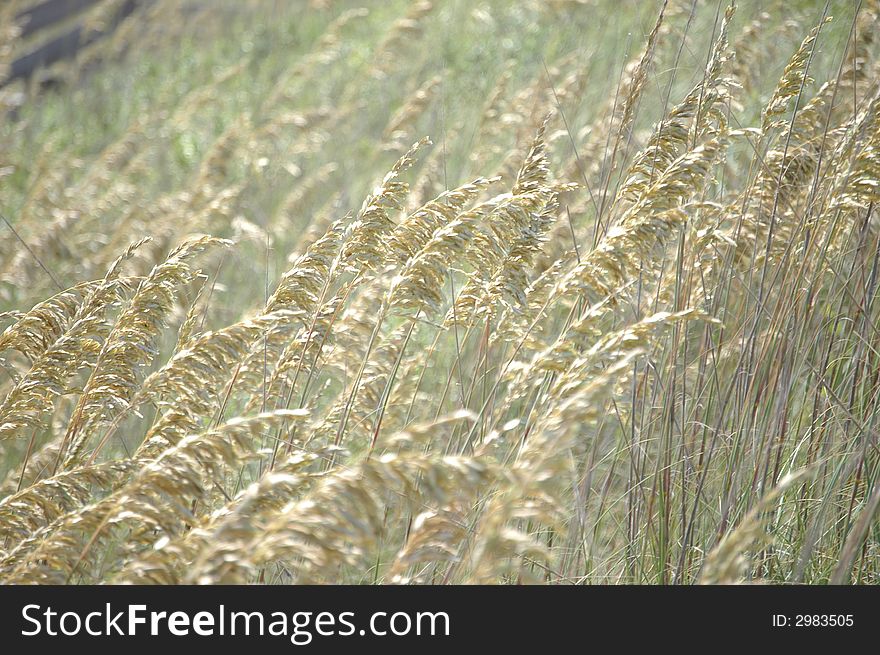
x: 444, y: 292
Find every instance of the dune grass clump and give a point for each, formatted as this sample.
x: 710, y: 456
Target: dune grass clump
x: 614, y: 321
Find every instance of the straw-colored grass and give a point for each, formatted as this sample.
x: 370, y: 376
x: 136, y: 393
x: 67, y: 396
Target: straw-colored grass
x: 614, y: 321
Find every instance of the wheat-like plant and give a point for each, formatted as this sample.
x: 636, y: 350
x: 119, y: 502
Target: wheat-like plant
x: 614, y: 321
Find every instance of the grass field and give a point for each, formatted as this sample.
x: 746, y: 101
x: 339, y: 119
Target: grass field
x: 565, y: 292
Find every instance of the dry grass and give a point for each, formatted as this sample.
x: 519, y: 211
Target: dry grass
x: 591, y: 331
